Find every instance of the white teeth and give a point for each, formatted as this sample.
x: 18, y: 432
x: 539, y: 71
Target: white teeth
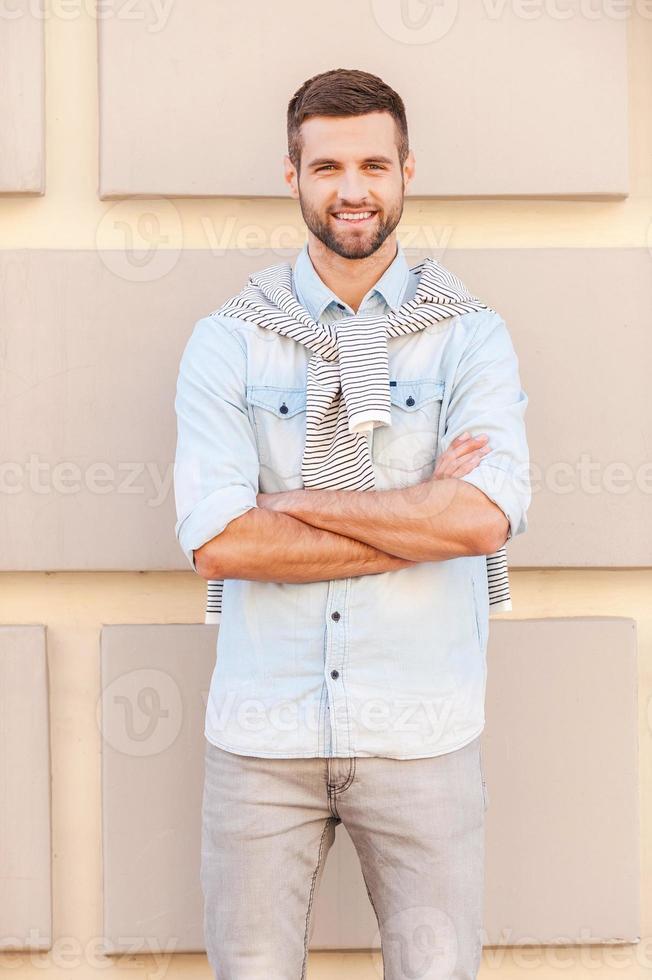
x: 355, y: 217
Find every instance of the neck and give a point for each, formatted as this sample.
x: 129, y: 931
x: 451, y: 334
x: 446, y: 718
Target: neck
x: 351, y: 279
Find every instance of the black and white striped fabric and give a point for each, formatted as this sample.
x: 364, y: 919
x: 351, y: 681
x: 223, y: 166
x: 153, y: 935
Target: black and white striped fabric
x: 347, y: 391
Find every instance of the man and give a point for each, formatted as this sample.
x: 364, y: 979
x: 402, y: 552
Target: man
x: 350, y: 676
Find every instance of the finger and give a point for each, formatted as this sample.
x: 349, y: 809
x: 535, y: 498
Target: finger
x: 466, y: 438
x: 468, y: 446
x: 469, y: 463
x: 447, y: 463
x: 455, y: 454
x: 448, y: 467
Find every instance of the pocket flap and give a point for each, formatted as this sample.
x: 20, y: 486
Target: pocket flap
x: 413, y: 395
x: 283, y: 402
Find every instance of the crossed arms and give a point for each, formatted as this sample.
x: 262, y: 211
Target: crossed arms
x: 313, y: 535
x: 469, y: 507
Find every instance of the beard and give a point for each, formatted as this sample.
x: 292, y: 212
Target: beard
x: 348, y: 243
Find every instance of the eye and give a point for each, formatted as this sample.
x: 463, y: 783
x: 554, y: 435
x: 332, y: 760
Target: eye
x: 324, y: 166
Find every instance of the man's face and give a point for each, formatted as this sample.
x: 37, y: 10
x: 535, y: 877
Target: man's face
x: 351, y: 186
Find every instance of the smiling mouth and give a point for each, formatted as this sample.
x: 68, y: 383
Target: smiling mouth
x: 353, y: 217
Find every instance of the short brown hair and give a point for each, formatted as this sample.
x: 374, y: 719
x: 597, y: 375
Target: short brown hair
x: 344, y: 92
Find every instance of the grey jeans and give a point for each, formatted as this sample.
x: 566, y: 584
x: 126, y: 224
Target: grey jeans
x: 417, y: 826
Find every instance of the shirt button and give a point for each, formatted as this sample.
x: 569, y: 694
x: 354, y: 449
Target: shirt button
x: 335, y: 674
x: 409, y: 401
x: 341, y: 306
x: 284, y: 409
x: 335, y: 616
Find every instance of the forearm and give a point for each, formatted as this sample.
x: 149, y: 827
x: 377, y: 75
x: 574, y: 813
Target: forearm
x: 430, y: 521
x: 266, y: 546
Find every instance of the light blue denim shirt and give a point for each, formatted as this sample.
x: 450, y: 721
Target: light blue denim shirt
x: 391, y: 664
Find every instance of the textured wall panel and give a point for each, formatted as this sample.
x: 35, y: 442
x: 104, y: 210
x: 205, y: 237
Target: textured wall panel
x: 25, y: 850
x: 155, y: 681
x: 489, y: 110
x: 22, y: 100
x: 91, y: 362
x: 562, y: 772
x: 561, y: 763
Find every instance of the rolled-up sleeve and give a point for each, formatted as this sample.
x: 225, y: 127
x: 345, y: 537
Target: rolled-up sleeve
x: 487, y: 397
x: 216, y: 463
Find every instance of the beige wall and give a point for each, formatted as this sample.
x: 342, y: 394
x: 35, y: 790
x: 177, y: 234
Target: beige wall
x: 74, y: 605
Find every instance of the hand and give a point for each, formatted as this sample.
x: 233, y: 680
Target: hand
x: 462, y: 456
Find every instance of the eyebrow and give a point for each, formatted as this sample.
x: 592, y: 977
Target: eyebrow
x: 322, y: 160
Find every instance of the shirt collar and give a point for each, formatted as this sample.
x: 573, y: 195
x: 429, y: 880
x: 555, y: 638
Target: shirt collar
x: 313, y: 293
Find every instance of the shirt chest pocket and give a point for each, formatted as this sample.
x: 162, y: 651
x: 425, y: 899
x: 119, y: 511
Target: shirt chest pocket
x: 410, y: 445
x: 278, y: 415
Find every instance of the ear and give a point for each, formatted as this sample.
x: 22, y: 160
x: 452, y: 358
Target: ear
x: 409, y: 168
x: 291, y: 176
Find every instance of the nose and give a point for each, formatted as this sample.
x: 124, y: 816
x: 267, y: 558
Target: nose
x: 353, y: 188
